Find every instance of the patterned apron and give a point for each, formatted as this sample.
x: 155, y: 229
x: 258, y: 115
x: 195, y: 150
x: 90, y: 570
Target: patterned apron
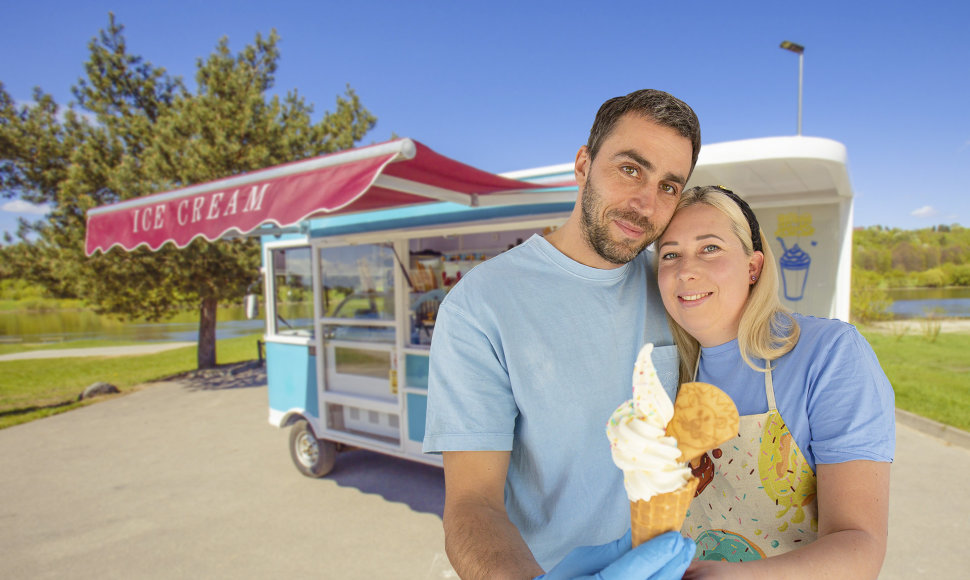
x: 756, y: 496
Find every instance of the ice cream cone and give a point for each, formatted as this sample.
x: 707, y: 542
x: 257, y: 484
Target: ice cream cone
x: 652, y: 439
x: 664, y: 512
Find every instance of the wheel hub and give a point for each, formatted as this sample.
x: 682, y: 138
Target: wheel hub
x: 307, y: 450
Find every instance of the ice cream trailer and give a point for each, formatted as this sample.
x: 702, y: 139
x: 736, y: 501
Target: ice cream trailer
x: 360, y: 247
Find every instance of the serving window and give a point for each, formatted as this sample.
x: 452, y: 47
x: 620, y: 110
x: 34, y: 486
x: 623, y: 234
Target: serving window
x: 292, y: 291
x: 437, y: 263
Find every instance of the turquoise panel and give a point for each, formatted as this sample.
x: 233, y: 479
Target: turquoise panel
x: 417, y: 412
x: 423, y: 215
x: 417, y: 371
x: 291, y: 375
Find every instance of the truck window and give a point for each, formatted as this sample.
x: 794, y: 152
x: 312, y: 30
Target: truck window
x: 292, y: 291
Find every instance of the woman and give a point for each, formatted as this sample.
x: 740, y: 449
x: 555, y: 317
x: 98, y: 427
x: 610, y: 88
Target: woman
x: 804, y: 489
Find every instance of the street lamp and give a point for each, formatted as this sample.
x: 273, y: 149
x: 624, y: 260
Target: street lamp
x: 800, y: 50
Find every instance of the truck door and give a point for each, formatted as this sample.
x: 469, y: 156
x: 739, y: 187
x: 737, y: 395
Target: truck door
x: 358, y: 334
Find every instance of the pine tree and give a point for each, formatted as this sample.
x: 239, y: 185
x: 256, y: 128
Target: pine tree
x: 135, y: 130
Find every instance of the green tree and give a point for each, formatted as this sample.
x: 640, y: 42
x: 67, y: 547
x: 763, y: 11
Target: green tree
x: 957, y: 274
x: 932, y: 278
x: 955, y: 254
x: 868, y: 301
x: 143, y: 131
x: 908, y: 258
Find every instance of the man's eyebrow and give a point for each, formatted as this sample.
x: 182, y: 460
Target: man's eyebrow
x: 640, y: 159
x: 646, y: 164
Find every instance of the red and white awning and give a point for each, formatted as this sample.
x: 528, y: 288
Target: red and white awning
x: 393, y: 174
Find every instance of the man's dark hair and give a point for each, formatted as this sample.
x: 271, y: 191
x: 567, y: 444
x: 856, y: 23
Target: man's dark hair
x: 658, y: 106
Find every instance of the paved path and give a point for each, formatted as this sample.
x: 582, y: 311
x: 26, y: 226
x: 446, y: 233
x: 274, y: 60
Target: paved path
x: 179, y: 481
x: 175, y: 482
x: 130, y: 350
x: 929, y: 508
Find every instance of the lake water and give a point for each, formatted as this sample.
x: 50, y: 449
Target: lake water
x: 918, y: 302
x: 69, y: 325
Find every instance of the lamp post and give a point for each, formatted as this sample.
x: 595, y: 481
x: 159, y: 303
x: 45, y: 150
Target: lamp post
x: 800, y: 51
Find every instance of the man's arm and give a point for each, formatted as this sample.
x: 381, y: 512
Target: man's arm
x: 480, y: 540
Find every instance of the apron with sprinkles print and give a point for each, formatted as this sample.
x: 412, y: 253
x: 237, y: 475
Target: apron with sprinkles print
x: 756, y: 496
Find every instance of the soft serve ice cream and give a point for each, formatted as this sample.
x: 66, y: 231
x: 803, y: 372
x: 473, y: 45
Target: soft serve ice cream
x: 636, y: 430
x: 652, y: 440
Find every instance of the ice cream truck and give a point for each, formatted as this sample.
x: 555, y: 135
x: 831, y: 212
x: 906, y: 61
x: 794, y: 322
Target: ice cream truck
x: 360, y: 247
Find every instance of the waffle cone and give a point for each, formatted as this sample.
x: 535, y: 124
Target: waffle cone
x: 661, y: 513
x: 704, y: 417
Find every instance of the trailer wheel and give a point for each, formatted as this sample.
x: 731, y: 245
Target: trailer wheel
x: 313, y: 457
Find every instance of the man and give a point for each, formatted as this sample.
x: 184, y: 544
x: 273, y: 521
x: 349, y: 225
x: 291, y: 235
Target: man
x: 534, y: 349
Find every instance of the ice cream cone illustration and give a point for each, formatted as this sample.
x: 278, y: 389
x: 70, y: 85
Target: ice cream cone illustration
x: 794, y: 264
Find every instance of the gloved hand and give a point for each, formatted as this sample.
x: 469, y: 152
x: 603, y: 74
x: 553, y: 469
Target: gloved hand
x: 665, y: 557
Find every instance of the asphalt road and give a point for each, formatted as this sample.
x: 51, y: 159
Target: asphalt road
x: 179, y: 480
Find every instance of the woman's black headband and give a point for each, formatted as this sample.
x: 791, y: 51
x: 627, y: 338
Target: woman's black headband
x: 748, y: 215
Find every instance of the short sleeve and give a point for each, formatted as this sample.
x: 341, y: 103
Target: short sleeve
x: 470, y: 402
x: 851, y: 404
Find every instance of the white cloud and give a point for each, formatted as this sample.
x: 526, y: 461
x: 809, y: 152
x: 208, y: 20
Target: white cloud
x: 927, y: 211
x: 21, y: 206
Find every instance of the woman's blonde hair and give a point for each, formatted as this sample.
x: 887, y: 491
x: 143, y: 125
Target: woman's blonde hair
x: 767, y: 330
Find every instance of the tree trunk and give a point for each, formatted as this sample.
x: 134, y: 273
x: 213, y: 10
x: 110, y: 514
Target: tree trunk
x: 207, y: 333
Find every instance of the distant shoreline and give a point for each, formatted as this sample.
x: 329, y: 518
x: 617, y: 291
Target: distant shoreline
x: 918, y: 325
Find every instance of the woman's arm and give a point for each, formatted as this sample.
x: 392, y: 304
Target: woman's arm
x: 480, y: 540
x: 853, y: 525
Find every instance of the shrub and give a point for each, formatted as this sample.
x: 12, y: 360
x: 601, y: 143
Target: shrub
x: 957, y: 275
x: 932, y: 278
x: 17, y: 289
x: 869, y: 302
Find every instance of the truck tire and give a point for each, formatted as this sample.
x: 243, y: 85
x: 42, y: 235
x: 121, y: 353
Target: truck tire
x: 313, y: 457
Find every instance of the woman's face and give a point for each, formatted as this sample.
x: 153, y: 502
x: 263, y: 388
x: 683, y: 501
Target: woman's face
x: 704, y: 274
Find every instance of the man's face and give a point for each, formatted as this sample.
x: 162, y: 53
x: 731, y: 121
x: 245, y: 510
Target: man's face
x: 629, y: 192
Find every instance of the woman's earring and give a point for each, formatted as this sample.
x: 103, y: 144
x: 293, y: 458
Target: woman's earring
x: 754, y: 278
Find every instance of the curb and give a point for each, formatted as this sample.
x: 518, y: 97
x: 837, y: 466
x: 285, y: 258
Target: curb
x: 949, y: 434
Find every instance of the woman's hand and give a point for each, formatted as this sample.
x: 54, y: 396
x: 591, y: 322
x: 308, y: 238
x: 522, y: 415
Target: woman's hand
x: 853, y: 524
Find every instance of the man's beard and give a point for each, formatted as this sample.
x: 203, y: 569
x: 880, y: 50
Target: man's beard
x: 597, y: 231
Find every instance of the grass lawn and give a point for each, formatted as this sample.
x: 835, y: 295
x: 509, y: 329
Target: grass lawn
x: 30, y: 389
x: 931, y: 378
x: 38, y: 303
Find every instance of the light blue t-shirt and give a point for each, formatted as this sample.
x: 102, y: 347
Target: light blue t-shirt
x: 532, y: 353
x: 830, y: 390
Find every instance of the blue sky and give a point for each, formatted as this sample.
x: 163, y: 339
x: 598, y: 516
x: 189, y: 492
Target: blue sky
x: 510, y: 85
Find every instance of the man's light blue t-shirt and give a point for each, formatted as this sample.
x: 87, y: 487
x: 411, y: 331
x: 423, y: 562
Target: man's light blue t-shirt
x: 531, y: 354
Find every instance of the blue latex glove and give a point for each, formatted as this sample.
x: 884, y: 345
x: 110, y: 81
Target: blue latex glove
x: 665, y: 557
